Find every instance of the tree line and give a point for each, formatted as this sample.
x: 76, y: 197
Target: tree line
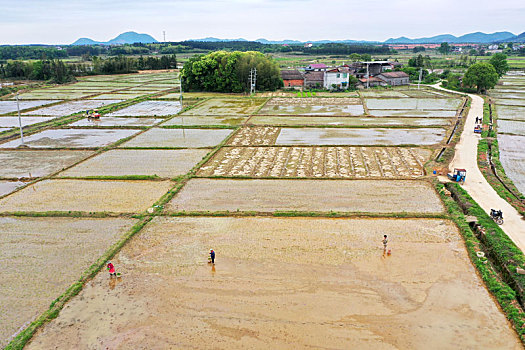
x: 223, y: 71
x: 57, y: 71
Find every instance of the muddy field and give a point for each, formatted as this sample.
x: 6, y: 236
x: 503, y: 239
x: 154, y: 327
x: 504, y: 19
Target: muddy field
x: 511, y: 127
x: 7, y: 187
x: 414, y: 103
x: 206, y: 120
x: 116, y: 121
x: 86, y: 196
x: 511, y: 112
x: 12, y: 122
x: 346, y: 121
x: 224, y: 106
x: 313, y: 106
x: 372, y: 136
x: 71, y: 107
x: 72, y: 138
x: 373, y: 196
x: 412, y: 113
x: 158, y: 137
x: 259, y: 136
x: 123, y: 162
x: 170, y: 96
x: 41, y: 257
x: 289, y: 283
x: 10, y: 106
x: 37, y: 163
x: 149, y: 108
x: 324, y: 162
x: 511, y: 101
x: 512, y: 156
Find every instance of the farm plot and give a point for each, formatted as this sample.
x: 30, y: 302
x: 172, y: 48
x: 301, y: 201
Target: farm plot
x: 382, y: 93
x: 512, y: 155
x: 372, y: 136
x: 367, y: 196
x: 120, y: 96
x: 511, y: 101
x: 206, y: 120
x: 55, y: 95
x: 116, y: 121
x: 7, y: 187
x: 510, y: 112
x: 225, y: 106
x: 511, y: 127
x: 414, y: 103
x: 412, y: 113
x: 289, y: 283
x: 71, y: 107
x: 518, y: 94
x: 10, y: 106
x: 162, y: 163
x: 38, y: 163
x: 312, y: 162
x: 11, y: 122
x: 171, y: 138
x: 345, y: 121
x: 86, y: 196
x: 149, y: 108
x: 170, y: 96
x: 41, y: 257
x: 72, y: 138
x: 313, y: 106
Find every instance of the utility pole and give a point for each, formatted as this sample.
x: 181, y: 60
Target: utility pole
x: 420, y: 74
x: 367, y: 77
x: 253, y: 80
x: 164, y: 34
x: 20, y: 121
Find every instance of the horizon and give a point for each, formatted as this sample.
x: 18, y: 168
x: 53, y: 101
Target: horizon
x: 61, y: 23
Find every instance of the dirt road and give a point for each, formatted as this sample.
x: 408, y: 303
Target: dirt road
x: 476, y: 184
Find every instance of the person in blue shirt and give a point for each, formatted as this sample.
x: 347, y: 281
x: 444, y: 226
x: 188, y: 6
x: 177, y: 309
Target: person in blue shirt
x: 212, y: 256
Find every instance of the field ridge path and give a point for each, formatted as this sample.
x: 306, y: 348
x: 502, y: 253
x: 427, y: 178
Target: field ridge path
x: 476, y: 185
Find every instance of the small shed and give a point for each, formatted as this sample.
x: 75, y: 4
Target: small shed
x: 394, y: 78
x: 314, y: 79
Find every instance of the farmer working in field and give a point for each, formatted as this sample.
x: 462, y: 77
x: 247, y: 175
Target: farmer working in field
x: 111, y: 269
x: 385, y: 242
x: 212, y: 256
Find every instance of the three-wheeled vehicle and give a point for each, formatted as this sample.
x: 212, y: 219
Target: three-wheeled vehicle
x: 458, y: 175
x: 478, y: 129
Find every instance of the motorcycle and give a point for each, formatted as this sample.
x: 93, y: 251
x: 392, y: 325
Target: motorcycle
x: 497, y: 216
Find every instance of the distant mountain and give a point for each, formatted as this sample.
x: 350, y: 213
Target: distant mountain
x: 124, y: 38
x: 475, y: 38
x: 520, y: 38
x: 213, y: 40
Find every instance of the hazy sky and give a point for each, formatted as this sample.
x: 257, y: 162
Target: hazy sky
x: 57, y: 21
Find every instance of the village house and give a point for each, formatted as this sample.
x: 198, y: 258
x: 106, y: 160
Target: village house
x: 394, y: 78
x: 371, y: 82
x: 336, y: 78
x: 292, y: 78
x: 313, y: 79
x: 316, y: 67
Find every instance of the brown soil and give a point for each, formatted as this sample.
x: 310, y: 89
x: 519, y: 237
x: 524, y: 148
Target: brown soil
x: 286, y: 283
x: 374, y: 196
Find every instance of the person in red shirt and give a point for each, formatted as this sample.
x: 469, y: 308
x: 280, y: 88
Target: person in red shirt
x: 111, y: 269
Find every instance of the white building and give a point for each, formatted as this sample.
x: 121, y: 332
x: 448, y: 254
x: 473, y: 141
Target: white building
x: 337, y: 78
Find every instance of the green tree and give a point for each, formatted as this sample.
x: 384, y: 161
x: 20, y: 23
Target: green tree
x: 444, y: 48
x: 482, y: 75
x: 499, y: 61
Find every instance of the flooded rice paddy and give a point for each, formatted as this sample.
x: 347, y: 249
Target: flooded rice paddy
x: 414, y: 103
x: 71, y: 107
x: 346, y: 121
x: 125, y: 162
x: 512, y: 156
x: 72, y: 138
x: 149, y: 108
x: 10, y: 106
x: 114, y: 121
x: 170, y: 138
x: 37, y: 163
x: 206, y: 120
x: 223, y: 106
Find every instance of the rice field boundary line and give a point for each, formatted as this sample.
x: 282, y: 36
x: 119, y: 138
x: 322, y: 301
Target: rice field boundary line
x: 319, y: 214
